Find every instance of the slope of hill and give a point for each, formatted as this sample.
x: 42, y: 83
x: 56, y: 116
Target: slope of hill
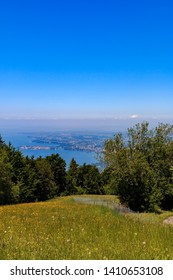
x: 66, y: 229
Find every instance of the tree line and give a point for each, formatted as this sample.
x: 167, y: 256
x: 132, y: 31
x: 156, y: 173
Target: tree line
x: 24, y: 179
x: 139, y: 170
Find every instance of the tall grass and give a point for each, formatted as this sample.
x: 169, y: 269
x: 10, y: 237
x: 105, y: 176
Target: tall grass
x: 64, y: 229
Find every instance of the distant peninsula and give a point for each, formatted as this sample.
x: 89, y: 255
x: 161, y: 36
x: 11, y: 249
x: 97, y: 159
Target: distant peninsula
x: 67, y: 141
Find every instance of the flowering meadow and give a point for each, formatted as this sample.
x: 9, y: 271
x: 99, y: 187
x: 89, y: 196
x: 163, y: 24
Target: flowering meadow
x: 66, y: 229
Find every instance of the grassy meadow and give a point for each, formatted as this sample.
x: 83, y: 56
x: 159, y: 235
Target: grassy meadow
x: 65, y: 229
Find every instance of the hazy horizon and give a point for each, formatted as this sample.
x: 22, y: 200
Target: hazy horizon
x: 93, y: 125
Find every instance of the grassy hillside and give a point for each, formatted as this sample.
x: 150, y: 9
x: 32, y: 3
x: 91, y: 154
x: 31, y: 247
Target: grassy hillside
x: 64, y: 229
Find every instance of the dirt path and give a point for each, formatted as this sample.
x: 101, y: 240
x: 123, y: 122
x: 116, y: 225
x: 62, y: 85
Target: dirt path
x: 169, y: 220
x: 112, y: 205
x: 104, y: 202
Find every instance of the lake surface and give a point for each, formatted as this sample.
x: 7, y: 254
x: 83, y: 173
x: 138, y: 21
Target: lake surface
x: 19, y: 139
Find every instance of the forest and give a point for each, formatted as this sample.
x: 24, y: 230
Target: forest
x: 139, y: 170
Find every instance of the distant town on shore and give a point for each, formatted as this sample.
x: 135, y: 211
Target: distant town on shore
x: 67, y: 141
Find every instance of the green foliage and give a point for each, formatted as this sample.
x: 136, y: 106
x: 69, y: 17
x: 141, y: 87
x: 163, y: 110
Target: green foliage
x: 141, y: 167
x: 108, y: 181
x: 15, y: 193
x: 28, y: 185
x: 17, y: 163
x: 24, y: 179
x: 58, y: 168
x: 5, y: 178
x: 85, y: 179
x: 89, y: 179
x: 72, y: 174
x: 45, y: 187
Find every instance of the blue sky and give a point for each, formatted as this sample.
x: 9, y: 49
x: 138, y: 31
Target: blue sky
x: 90, y: 59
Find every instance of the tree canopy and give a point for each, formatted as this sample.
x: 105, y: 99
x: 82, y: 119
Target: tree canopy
x: 24, y: 179
x: 142, y: 167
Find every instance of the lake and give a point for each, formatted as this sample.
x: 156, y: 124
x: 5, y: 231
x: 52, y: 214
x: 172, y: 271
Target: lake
x: 20, y: 139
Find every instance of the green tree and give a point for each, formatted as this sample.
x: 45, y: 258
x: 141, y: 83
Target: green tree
x: 45, y: 186
x: 72, y: 174
x: 141, y: 166
x: 89, y: 180
x: 108, y: 181
x: 2, y: 143
x: 58, y: 167
x: 30, y: 180
x: 17, y: 162
x: 5, y: 178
